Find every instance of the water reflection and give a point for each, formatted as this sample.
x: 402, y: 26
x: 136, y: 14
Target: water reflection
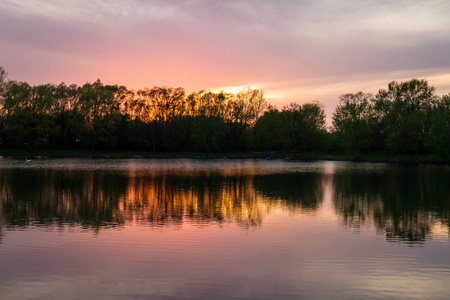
x: 302, y: 190
x: 44, y: 197
x: 162, y: 199
x: 403, y: 202
x: 96, y: 198
x: 218, y: 229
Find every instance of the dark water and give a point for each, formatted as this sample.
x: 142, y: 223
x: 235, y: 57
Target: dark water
x: 220, y: 229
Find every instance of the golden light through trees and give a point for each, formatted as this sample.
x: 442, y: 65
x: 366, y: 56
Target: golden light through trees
x: 406, y: 119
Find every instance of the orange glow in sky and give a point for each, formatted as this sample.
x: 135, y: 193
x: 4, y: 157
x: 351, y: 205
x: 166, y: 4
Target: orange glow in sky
x: 295, y: 51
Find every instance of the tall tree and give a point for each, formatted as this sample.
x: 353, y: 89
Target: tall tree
x: 3, y: 85
x: 28, y: 113
x: 438, y: 138
x: 208, y: 133
x: 304, y: 126
x: 66, y: 97
x: 3, y: 81
x: 99, y: 113
x: 248, y: 105
x: 403, y: 109
x: 268, y: 131
x: 353, y: 120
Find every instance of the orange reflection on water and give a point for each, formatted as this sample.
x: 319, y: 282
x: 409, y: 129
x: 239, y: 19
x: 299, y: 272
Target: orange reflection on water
x: 158, y: 199
x: 400, y: 203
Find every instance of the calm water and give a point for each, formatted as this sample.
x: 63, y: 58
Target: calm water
x: 220, y: 229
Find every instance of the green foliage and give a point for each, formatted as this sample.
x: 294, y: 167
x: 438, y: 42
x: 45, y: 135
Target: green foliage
x: 28, y: 114
x: 98, y: 116
x: 354, y: 120
x: 406, y: 118
x: 295, y: 128
x: 303, y: 126
x: 438, y: 138
x: 207, y: 133
x: 402, y: 109
x: 268, y: 131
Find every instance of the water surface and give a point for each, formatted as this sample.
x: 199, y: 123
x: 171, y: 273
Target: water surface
x: 220, y: 229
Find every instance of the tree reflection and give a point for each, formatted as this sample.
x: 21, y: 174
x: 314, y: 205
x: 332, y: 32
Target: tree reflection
x: 43, y: 197
x: 160, y: 199
x: 302, y: 190
x: 405, y: 203
x: 99, y: 199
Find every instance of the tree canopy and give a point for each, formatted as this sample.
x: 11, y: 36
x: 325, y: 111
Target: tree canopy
x: 405, y: 118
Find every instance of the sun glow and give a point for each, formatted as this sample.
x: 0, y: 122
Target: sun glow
x: 234, y: 89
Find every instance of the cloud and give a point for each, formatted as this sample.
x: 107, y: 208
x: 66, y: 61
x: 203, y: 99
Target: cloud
x: 208, y: 44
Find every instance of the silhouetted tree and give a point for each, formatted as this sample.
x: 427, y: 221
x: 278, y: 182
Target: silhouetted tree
x: 99, y: 114
x: 438, y: 138
x: 304, y: 126
x: 27, y: 112
x: 403, y: 110
x: 268, y: 131
x: 354, y: 119
x: 207, y: 133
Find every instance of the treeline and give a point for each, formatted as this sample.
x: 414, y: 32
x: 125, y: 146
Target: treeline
x: 406, y: 118
x: 97, y: 116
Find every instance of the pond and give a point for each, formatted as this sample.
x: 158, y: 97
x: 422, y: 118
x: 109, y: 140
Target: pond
x: 223, y: 229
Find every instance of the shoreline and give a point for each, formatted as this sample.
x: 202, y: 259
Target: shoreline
x: 108, y: 154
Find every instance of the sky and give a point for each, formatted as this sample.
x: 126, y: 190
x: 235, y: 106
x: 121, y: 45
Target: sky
x: 296, y: 51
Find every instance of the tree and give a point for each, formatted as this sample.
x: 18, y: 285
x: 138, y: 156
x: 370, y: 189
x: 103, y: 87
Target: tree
x: 314, y: 125
x: 268, y: 130
x: 402, y: 109
x: 207, y: 133
x: 43, y: 105
x: 3, y: 81
x: 166, y: 103
x: 66, y: 98
x: 438, y: 138
x: 15, y: 113
x: 27, y: 113
x: 3, y: 85
x: 98, y: 116
x: 353, y: 120
x: 248, y: 105
x: 304, y: 126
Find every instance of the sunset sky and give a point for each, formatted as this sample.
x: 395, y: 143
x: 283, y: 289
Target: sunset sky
x: 297, y: 51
